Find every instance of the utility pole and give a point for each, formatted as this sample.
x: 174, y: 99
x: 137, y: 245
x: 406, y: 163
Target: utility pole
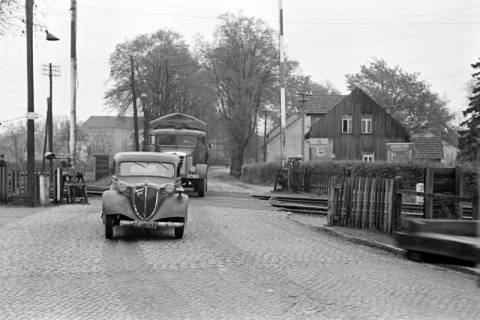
x: 73, y: 83
x: 134, y: 101
x: 282, y: 88
x: 265, y: 112
x: 52, y: 71
x: 31, y: 181
x: 303, y: 100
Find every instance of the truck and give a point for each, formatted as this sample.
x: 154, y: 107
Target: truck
x: 183, y: 135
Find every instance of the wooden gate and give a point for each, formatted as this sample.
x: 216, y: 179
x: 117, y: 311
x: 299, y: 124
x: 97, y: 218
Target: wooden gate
x: 102, y: 166
x: 364, y: 202
x: 444, y: 194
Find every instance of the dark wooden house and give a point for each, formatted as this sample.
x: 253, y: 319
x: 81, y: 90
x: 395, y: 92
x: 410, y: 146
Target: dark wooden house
x: 351, y: 127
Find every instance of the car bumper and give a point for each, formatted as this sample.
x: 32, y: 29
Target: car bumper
x: 153, y: 224
x: 173, y: 206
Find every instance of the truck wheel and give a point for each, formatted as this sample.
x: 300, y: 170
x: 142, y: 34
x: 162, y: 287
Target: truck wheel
x: 179, y: 232
x: 109, y: 223
x: 201, y: 188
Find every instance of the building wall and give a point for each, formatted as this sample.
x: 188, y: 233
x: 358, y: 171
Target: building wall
x: 293, y: 141
x: 109, y: 140
x: 353, y: 145
x: 449, y: 154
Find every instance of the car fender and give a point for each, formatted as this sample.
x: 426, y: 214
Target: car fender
x: 116, y: 203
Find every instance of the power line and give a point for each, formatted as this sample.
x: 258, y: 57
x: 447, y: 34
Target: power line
x: 334, y: 23
x: 14, y: 119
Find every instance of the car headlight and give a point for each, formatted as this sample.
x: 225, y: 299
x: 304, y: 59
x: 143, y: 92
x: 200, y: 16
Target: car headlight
x: 169, y: 188
x: 192, y: 169
x: 122, y: 186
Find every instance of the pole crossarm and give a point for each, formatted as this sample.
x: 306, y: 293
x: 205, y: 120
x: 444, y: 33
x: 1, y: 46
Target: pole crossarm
x: 55, y: 70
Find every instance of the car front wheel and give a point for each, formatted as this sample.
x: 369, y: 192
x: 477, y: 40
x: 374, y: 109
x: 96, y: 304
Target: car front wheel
x: 109, y: 223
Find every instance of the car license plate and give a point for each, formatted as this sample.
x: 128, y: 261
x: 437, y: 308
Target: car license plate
x: 194, y: 176
x: 146, y: 224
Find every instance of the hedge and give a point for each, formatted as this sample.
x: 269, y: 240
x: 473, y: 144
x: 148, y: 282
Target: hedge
x: 411, y: 172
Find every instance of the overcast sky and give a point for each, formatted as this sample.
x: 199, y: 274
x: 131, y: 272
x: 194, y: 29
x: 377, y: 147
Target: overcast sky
x: 438, y: 38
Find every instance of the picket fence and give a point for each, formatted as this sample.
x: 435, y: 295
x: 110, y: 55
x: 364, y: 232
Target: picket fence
x: 365, y: 203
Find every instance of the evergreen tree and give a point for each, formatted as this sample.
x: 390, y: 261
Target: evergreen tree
x: 470, y: 140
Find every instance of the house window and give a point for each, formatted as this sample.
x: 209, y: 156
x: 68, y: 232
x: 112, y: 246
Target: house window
x: 366, y: 123
x: 346, y: 123
x: 368, y: 157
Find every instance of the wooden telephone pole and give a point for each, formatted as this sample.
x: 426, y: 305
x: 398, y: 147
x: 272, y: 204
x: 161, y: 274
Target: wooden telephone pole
x: 282, y: 88
x: 31, y: 181
x: 73, y: 82
x: 134, y: 102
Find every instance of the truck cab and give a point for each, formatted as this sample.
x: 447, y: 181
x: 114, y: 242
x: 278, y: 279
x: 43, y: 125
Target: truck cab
x: 184, y: 136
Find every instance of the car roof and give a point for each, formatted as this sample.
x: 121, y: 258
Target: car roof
x: 146, y: 156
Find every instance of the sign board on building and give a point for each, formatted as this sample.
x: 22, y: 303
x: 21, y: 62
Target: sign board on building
x: 400, y: 151
x: 321, y: 148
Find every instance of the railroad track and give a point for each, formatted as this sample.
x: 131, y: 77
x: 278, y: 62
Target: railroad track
x: 306, y: 204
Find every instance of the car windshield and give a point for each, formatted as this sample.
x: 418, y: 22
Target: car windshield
x: 189, y: 141
x: 144, y: 168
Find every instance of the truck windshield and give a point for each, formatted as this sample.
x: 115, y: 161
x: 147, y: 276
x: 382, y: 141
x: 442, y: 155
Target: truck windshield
x: 189, y: 141
x: 144, y: 168
x: 166, y: 140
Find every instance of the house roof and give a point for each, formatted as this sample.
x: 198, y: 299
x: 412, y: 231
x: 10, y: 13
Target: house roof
x: 119, y: 122
x: 291, y: 120
x: 322, y: 103
x: 428, y: 148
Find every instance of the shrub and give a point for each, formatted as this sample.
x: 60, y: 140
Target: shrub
x: 260, y: 173
x: 411, y: 173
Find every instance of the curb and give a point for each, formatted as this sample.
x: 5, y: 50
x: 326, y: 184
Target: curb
x: 379, y: 245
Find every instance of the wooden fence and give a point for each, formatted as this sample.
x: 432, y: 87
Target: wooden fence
x: 312, y: 180
x: 13, y: 186
x: 364, y: 202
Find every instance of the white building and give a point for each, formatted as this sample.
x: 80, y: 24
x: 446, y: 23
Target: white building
x: 294, y: 139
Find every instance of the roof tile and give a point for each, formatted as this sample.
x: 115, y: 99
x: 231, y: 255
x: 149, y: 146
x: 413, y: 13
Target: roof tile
x: 120, y: 122
x: 428, y: 148
x: 322, y: 103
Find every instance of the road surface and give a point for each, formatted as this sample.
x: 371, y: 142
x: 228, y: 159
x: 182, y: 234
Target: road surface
x: 239, y: 259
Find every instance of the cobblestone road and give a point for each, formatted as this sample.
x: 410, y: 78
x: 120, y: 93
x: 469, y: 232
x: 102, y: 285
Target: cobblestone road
x: 238, y: 260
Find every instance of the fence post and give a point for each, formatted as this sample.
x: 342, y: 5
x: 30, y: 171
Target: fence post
x: 372, y: 205
x: 397, y: 204
x: 388, y: 206
x: 458, y: 191
x: 3, y: 184
x: 366, y: 200
x: 344, y: 207
x: 428, y: 204
x: 359, y: 202
x: 306, y: 180
x: 333, y: 201
x: 352, y: 202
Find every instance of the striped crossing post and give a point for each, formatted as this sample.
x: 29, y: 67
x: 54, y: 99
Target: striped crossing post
x: 57, y: 190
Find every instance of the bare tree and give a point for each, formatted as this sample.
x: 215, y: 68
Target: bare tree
x: 8, y: 14
x: 240, y: 64
x: 167, y: 76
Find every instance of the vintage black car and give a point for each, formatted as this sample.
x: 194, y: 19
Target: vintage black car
x: 146, y: 191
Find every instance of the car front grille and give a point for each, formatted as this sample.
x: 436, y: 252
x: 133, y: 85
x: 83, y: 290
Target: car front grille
x: 145, y: 200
